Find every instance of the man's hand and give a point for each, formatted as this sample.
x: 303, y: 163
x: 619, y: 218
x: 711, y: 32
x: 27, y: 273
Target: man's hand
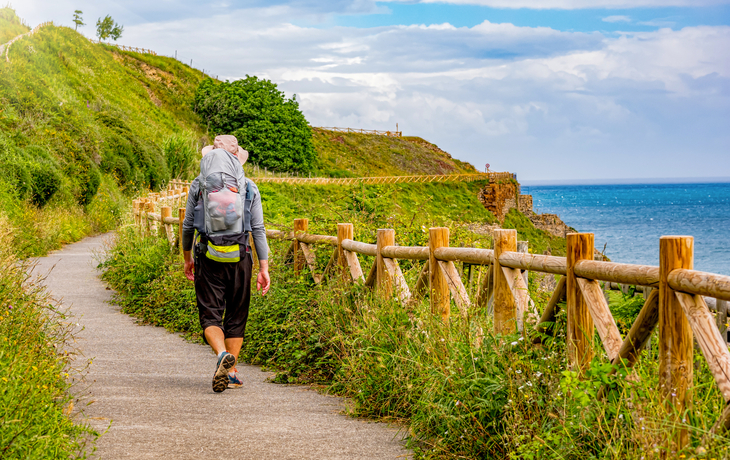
x: 263, y: 281
x: 189, y: 265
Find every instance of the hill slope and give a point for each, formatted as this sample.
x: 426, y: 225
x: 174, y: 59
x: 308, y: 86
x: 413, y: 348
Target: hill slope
x: 10, y: 25
x: 362, y: 155
x: 80, y: 123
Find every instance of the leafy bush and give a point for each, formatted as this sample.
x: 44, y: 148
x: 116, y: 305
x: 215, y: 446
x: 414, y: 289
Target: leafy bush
x: 181, y: 154
x: 269, y: 126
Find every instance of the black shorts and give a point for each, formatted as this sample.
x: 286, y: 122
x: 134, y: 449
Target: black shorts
x: 223, y: 287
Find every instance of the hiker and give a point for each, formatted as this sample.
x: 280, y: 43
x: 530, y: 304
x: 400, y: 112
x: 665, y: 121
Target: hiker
x: 224, y: 208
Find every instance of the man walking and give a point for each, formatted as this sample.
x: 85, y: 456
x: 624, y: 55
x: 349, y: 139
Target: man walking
x: 225, y: 208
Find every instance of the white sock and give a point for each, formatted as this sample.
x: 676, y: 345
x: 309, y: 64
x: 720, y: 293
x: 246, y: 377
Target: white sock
x: 221, y: 353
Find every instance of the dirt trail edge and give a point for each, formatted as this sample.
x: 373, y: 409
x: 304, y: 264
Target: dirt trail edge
x: 155, y: 388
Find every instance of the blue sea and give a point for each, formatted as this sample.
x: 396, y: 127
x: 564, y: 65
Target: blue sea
x: 630, y: 218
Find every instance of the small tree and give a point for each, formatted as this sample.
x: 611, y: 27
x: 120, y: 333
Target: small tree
x: 78, y: 19
x: 107, y: 28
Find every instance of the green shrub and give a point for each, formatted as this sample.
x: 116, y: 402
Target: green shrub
x: 182, y: 155
x: 269, y: 126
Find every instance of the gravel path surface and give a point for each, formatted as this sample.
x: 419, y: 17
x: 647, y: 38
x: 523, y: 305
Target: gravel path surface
x: 155, y: 388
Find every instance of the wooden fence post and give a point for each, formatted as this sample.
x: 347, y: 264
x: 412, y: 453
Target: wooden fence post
x: 181, y: 217
x: 580, y: 323
x: 344, y: 232
x: 523, y: 247
x: 149, y: 225
x: 300, y: 226
x: 675, y: 334
x: 135, y: 212
x: 440, y: 296
x: 165, y: 211
x: 383, y: 280
x: 505, y: 308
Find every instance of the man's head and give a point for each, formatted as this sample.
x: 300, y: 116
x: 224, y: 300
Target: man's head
x: 230, y: 145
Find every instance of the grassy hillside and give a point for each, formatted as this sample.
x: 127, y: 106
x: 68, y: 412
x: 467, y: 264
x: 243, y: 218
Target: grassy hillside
x: 10, y: 25
x: 362, y: 155
x: 80, y: 125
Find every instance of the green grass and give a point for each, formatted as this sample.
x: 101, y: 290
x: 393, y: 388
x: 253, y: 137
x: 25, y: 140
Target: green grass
x: 10, y: 25
x: 37, y: 420
x: 363, y: 155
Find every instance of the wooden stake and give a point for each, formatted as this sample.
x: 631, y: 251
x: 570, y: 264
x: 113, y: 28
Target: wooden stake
x: 602, y: 318
x: 675, y: 334
x: 181, y: 216
x: 439, y: 290
x: 548, y: 315
x: 505, y: 309
x: 458, y: 292
x: 580, y: 324
x: 344, y: 232
x: 300, y: 226
x: 383, y: 280
x: 166, y: 211
x: 422, y: 282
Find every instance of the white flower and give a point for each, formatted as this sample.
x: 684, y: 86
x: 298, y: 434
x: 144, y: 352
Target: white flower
x: 513, y: 343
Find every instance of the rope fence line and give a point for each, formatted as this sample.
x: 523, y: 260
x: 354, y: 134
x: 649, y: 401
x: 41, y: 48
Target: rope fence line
x: 491, y: 177
x: 6, y: 47
x: 125, y: 48
x: 675, y: 305
x: 363, y: 131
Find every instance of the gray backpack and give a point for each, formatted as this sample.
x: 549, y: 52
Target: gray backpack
x: 226, y: 206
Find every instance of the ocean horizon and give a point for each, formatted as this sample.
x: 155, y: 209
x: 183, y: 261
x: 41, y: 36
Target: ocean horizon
x: 629, y: 218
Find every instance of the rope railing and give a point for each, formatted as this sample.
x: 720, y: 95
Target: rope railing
x: 674, y: 303
x: 132, y: 49
x: 491, y: 177
x: 363, y: 131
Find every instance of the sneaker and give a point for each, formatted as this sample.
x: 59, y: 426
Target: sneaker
x: 234, y: 381
x: 220, y: 378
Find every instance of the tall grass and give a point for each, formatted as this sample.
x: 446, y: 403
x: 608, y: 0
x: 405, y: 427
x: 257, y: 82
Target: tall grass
x: 37, y: 416
x: 462, y: 391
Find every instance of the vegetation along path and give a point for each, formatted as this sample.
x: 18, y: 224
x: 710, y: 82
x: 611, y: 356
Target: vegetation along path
x: 154, y: 388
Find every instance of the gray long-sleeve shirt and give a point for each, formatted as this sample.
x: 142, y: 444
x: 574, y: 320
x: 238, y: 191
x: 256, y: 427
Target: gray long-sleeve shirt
x: 257, y: 220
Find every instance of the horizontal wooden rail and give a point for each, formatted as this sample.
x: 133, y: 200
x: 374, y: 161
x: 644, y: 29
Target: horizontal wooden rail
x: 701, y: 283
x: 475, y: 256
x: 405, y: 252
x: 317, y: 239
x: 534, y: 262
x: 639, y: 275
x: 360, y: 248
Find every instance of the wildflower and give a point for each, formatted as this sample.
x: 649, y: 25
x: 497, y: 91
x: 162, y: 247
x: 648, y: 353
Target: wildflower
x: 521, y: 339
x: 518, y: 371
x: 5, y: 379
x: 513, y: 343
x: 538, y: 374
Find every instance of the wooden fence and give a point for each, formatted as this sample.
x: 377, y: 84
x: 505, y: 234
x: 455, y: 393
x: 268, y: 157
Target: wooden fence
x: 674, y: 292
x: 364, y: 131
x: 6, y: 47
x: 126, y: 48
x: 491, y: 177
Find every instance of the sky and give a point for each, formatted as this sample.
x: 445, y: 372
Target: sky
x: 551, y: 90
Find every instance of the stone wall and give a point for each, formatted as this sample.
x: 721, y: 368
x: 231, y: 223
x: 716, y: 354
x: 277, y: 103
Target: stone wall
x: 499, y: 198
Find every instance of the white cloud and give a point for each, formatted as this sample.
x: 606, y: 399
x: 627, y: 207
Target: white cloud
x: 577, y: 4
x: 527, y: 100
x: 616, y: 19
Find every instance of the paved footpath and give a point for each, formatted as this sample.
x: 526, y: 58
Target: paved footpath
x: 155, y: 388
